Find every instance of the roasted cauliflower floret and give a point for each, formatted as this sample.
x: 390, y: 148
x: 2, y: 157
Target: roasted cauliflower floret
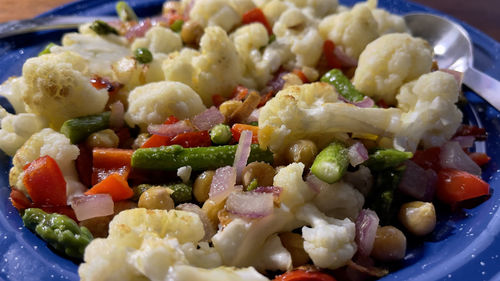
x: 12, y: 90
x: 130, y: 73
x: 430, y: 115
x: 159, y: 39
x: 351, y: 30
x: 59, y: 88
x: 317, y: 8
x: 56, y: 145
x: 388, y: 23
x: 155, y: 102
x: 215, y: 13
x: 189, y: 273
x: 389, y: 62
x: 16, y: 129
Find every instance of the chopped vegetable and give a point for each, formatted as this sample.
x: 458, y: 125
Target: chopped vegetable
x: 143, y: 55
x: 107, y: 161
x: 384, y: 195
x: 199, y: 158
x: 329, y: 52
x: 182, y: 193
x: 256, y: 15
x: 480, y: 158
x: 114, y: 185
x: 59, y: 231
x: 237, y: 128
x: 345, y: 88
x: 220, y: 134
x: 331, y: 163
x: 78, y: 129
x: 304, y: 275
x: 45, y: 182
x: 455, y: 186
x: 19, y: 200
x: 386, y: 158
x: 103, y: 28
x: 46, y: 50
x: 125, y: 12
x: 176, y: 26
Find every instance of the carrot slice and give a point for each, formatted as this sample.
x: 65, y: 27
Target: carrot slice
x: 237, y: 128
x: 480, y: 158
x: 108, y: 161
x: 45, y: 182
x: 114, y: 185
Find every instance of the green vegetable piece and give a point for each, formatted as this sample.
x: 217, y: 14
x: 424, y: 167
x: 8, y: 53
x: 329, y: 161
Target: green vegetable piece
x: 125, y: 12
x: 336, y: 78
x: 176, y: 26
x: 102, y: 28
x: 387, y: 158
x: 139, y: 190
x: 331, y: 163
x: 182, y: 193
x: 272, y: 38
x: 143, y: 55
x: 61, y: 232
x: 199, y: 158
x: 254, y: 123
x: 78, y: 129
x: 253, y: 185
x: 46, y: 50
x: 220, y: 134
x: 384, y: 197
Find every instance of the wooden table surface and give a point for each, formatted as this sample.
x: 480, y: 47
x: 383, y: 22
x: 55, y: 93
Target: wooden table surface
x: 482, y: 14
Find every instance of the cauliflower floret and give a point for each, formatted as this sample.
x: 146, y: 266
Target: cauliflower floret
x: 16, y: 129
x: 159, y: 40
x: 214, y: 70
x: 388, y: 23
x: 430, y: 114
x: 317, y: 8
x: 389, y: 62
x: 350, y: 30
x: 329, y: 242
x: 312, y: 111
x: 12, y: 90
x: 58, y: 88
x: 215, y: 13
x: 190, y: 273
x: 295, y: 191
x: 129, y: 72
x: 272, y: 9
x: 153, y: 103
x: 56, y: 145
x: 339, y: 200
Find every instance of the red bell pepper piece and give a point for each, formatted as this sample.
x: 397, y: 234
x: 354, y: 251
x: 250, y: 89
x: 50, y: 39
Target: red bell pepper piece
x: 480, y: 158
x: 45, y: 182
x: 114, y: 185
x: 331, y: 58
x: 454, y: 186
x: 303, y: 275
x: 256, y: 15
x: 107, y: 161
x: 237, y: 128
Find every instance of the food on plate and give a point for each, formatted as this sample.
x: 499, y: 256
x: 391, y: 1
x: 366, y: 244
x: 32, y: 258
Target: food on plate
x: 248, y: 140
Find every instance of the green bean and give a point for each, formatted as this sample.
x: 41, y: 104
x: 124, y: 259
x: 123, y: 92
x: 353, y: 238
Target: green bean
x: 102, y: 28
x: 143, y: 55
x: 46, y: 50
x: 125, y: 12
x: 220, y: 134
x: 331, y: 163
x: 176, y: 26
x: 345, y: 88
x: 199, y: 158
x: 80, y: 128
x: 182, y: 192
x: 386, y: 158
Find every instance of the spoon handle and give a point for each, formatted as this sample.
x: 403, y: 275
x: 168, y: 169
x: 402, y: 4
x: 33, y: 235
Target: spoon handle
x: 484, y: 85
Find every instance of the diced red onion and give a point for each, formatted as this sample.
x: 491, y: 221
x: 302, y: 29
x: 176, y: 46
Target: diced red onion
x: 345, y: 60
x: 170, y: 130
x: 138, y: 30
x: 242, y: 153
x: 357, y: 154
x: 207, y: 119
x: 116, y: 117
x: 367, y: 102
x: 465, y: 141
x: 459, y: 76
x: 452, y: 156
x: 274, y: 190
x: 366, y: 229
x: 222, y: 183
x: 254, y: 116
x: 91, y: 206
x: 314, y: 183
x: 207, y: 224
x: 418, y: 182
x: 250, y: 204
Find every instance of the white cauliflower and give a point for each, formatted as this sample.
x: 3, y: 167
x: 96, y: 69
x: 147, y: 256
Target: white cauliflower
x: 316, y: 8
x: 351, y: 30
x: 389, y: 62
x: 190, y: 273
x: 129, y: 72
x: 329, y: 242
x: 430, y: 115
x: 272, y: 9
x: 56, y: 145
x: 153, y: 103
x: 59, y: 88
x: 214, y: 70
x: 12, y: 90
x: 215, y: 13
x: 388, y: 23
x: 295, y: 192
x: 16, y: 129
x: 159, y: 39
x: 312, y: 111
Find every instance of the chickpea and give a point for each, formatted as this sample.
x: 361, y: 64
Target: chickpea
x: 418, y: 217
x: 156, y: 198
x: 191, y: 32
x: 105, y: 138
x: 294, y: 243
x: 212, y: 210
x: 263, y: 172
x: 98, y: 226
x: 228, y: 107
x: 302, y: 151
x: 389, y: 245
x: 201, y: 186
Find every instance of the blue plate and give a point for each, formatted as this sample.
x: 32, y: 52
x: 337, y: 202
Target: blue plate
x: 463, y: 247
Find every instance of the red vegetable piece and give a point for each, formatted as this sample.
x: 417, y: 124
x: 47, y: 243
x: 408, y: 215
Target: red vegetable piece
x: 456, y: 186
x: 331, y: 58
x: 428, y: 159
x: 114, y: 185
x: 191, y: 139
x: 157, y: 141
x: 217, y: 100
x: 256, y: 15
x: 84, y: 165
x: 303, y: 275
x: 480, y: 158
x: 108, y: 161
x: 240, y: 92
x: 45, y: 182
x: 237, y: 128
x: 19, y: 200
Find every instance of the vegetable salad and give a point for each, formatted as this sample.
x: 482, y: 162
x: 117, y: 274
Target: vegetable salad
x: 238, y: 140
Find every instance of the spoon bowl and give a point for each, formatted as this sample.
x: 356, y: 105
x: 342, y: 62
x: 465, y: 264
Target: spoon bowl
x: 453, y: 50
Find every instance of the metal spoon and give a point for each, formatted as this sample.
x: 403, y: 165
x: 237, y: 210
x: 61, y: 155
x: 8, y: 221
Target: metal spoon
x: 453, y: 50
